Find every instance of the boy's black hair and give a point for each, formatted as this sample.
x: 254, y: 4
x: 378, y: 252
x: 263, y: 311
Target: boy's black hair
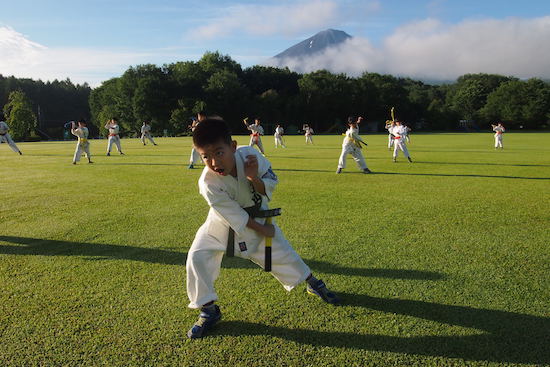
x: 202, y: 113
x: 211, y: 131
x: 351, y: 120
x: 82, y: 120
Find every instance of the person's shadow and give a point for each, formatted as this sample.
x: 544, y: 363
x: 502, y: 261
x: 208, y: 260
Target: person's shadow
x: 502, y: 337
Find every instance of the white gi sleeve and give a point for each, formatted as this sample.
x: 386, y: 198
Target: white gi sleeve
x: 267, y: 176
x: 228, y: 209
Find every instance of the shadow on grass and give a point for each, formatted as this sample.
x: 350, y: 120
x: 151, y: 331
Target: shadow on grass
x: 504, y: 337
x: 485, y: 164
x: 457, y: 175
x: 98, y: 252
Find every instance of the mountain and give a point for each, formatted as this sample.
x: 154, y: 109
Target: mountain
x: 319, y: 42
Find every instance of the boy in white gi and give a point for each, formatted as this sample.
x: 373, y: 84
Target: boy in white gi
x: 194, y: 154
x: 279, y: 131
x: 6, y: 137
x: 237, y: 184
x: 308, y: 133
x: 256, y: 131
x: 399, y: 134
x: 146, y: 133
x: 352, y: 145
x: 499, y: 130
x: 114, y: 130
x: 83, y: 145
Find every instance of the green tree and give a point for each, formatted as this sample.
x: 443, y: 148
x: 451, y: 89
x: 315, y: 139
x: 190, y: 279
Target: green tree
x: 19, y: 114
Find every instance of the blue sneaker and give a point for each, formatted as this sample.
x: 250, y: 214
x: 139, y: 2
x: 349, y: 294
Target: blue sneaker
x: 321, y: 290
x: 207, y: 319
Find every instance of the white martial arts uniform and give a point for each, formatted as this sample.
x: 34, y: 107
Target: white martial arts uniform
x: 499, y: 130
x: 227, y: 196
x: 399, y: 134
x: 83, y: 145
x: 279, y: 131
x: 407, y: 136
x: 390, y: 137
x: 6, y: 137
x: 114, y: 130
x: 352, y: 146
x: 146, y: 133
x: 256, y: 136
x: 309, y: 135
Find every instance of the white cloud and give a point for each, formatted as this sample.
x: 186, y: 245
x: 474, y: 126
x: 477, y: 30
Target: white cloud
x: 263, y: 20
x: 429, y: 49
x: 23, y: 58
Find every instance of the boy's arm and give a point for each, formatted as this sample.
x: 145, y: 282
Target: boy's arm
x: 259, y: 173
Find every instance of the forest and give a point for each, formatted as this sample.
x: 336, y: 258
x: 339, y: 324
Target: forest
x: 169, y: 95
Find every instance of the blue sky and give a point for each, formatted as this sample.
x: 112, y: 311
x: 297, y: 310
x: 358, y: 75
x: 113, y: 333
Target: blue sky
x: 98, y: 39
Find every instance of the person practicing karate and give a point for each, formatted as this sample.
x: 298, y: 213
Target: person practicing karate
x: 237, y: 183
x: 256, y: 132
x: 114, y: 137
x: 82, y: 145
x: 499, y: 131
x: 352, y: 145
x: 279, y: 132
x: 399, y: 134
x: 6, y: 137
x: 146, y: 133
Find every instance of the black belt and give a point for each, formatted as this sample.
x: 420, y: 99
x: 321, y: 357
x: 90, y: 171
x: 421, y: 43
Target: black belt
x: 253, y: 212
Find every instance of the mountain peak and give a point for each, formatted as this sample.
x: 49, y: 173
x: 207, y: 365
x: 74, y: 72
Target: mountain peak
x: 317, y: 43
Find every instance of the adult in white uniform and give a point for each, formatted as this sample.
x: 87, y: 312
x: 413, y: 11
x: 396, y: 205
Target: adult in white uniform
x: 234, y: 179
x: 499, y: 130
x: 114, y: 137
x: 352, y: 145
x: 308, y: 133
x: 279, y: 132
x: 194, y: 157
x: 256, y: 132
x: 82, y: 145
x: 6, y: 137
x: 399, y: 134
x: 146, y: 133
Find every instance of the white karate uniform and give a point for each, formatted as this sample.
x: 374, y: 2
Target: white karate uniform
x: 83, y: 145
x: 6, y: 137
x: 226, y: 196
x: 390, y: 137
x: 114, y: 130
x: 407, y: 136
x: 309, y: 135
x: 498, y: 136
x: 146, y: 133
x: 399, y: 133
x: 279, y: 131
x: 350, y: 146
x: 256, y: 136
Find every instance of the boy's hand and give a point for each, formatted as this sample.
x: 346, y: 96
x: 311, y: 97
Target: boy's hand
x: 269, y: 230
x: 251, y: 167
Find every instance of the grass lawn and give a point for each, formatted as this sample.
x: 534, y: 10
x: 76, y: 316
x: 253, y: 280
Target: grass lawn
x: 442, y: 262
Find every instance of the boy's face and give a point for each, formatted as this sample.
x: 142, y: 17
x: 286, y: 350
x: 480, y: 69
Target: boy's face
x: 220, y: 157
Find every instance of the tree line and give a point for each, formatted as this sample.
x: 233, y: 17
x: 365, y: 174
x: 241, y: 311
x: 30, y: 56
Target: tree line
x: 169, y: 95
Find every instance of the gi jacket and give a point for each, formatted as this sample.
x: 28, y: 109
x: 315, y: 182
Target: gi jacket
x: 228, y: 195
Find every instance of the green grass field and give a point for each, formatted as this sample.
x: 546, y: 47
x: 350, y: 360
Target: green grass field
x: 443, y: 262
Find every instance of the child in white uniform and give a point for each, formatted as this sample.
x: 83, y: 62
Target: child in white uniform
x: 6, y: 137
x: 399, y: 133
x: 352, y: 145
x: 256, y: 133
x: 146, y: 133
x: 279, y: 131
x: 234, y: 183
x: 499, y: 130
x: 83, y: 145
x: 114, y: 130
x: 308, y: 133
x: 389, y: 125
